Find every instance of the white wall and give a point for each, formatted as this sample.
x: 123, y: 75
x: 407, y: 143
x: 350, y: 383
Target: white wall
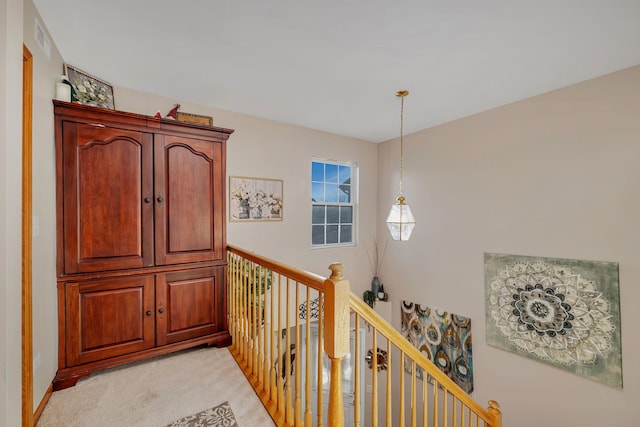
x: 10, y: 210
x: 267, y: 149
x: 556, y: 176
x: 46, y: 70
x: 553, y: 175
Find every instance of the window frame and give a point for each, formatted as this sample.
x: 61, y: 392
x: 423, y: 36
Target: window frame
x: 353, y: 203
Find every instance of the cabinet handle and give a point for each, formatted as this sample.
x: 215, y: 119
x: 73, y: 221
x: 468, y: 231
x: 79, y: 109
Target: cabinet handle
x: 148, y: 313
x: 98, y: 125
x: 147, y: 200
x: 161, y: 311
x: 159, y: 199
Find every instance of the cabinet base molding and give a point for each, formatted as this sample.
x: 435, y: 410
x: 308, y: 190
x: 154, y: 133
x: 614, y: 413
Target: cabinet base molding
x: 68, y: 377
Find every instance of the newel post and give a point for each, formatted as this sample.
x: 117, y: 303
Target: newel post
x: 336, y: 338
x: 494, y: 409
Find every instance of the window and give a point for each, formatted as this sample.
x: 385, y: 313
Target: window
x: 332, y: 197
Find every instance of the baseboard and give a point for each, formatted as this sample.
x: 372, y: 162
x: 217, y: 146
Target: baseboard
x: 43, y: 403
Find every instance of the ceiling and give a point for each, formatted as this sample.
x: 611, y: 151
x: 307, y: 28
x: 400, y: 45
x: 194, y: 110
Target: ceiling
x: 335, y: 65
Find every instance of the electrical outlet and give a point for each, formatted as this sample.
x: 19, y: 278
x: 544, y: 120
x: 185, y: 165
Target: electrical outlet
x: 369, y: 388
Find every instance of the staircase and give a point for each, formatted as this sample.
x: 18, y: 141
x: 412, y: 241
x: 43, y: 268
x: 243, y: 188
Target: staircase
x: 305, y: 343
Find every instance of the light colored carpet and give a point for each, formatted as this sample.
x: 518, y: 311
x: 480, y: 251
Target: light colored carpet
x: 156, y: 392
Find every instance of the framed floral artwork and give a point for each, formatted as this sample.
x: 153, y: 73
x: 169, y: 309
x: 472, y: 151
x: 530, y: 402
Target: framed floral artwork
x: 255, y: 199
x: 89, y: 90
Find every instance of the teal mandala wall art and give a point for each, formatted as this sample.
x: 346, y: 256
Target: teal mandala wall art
x: 562, y: 312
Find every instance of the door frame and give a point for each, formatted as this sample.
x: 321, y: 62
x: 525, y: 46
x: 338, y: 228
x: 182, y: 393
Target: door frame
x: 27, y: 238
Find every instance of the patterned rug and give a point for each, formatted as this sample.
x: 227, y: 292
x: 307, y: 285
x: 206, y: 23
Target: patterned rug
x: 219, y: 416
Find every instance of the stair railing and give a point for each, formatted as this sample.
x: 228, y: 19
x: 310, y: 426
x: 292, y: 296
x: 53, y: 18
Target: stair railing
x: 299, y: 338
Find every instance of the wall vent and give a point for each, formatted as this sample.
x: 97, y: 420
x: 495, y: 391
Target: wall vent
x: 42, y: 39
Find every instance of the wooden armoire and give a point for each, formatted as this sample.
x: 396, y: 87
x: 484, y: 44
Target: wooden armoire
x: 141, y: 244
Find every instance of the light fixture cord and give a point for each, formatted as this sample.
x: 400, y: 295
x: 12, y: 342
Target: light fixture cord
x: 401, y: 140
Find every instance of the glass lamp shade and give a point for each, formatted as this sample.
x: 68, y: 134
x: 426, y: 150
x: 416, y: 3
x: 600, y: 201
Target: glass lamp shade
x: 400, y: 220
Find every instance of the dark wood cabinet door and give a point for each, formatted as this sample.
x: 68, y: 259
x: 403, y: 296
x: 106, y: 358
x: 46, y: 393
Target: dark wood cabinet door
x: 107, y: 177
x: 107, y: 318
x: 189, y: 192
x: 189, y: 304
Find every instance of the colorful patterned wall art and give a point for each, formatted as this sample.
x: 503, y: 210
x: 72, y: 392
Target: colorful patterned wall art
x: 444, y: 338
x: 562, y: 312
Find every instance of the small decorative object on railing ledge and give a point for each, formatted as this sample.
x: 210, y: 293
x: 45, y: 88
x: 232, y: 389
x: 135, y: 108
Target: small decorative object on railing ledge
x: 381, y: 356
x: 382, y: 295
x: 375, y: 261
x: 370, y: 298
x: 375, y: 285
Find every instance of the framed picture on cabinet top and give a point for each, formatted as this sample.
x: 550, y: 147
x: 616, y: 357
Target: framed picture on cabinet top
x: 89, y: 90
x: 255, y: 199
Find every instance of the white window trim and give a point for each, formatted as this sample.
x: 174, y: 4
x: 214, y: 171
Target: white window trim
x: 355, y: 194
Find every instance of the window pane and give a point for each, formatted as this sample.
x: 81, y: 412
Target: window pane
x: 332, y: 211
x: 317, y: 215
x: 345, y: 174
x: 333, y: 214
x: 332, y: 234
x: 345, y: 193
x: 331, y: 173
x: 345, y: 233
x: 331, y: 194
x: 317, y: 192
x: 317, y: 232
x: 317, y: 172
x: 346, y: 214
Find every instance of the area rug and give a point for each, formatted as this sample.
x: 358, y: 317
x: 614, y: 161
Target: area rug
x: 219, y: 416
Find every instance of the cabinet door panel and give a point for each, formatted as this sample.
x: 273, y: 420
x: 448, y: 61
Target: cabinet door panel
x: 191, y: 302
x: 107, y: 174
x: 109, y: 318
x: 189, y: 200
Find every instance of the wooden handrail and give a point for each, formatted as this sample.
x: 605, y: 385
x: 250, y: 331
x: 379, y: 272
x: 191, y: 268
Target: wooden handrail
x: 492, y: 414
x: 256, y: 320
x: 315, y: 281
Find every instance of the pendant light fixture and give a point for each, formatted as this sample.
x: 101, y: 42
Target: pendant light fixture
x: 400, y: 220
